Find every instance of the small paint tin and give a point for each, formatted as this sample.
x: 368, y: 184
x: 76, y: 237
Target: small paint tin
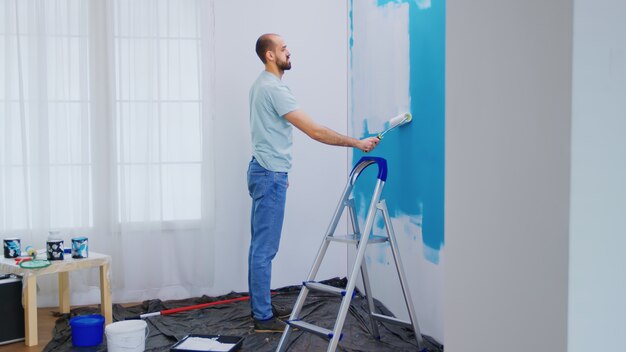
x: 12, y: 247
x: 80, y: 247
x: 54, y: 250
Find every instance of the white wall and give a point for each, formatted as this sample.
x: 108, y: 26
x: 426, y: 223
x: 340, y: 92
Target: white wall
x: 507, y: 175
x: 597, y: 289
x: 315, y: 33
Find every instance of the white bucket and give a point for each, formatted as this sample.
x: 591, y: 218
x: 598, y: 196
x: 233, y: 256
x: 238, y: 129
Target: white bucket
x: 126, y: 336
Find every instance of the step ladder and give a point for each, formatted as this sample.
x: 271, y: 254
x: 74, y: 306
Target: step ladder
x: 360, y: 240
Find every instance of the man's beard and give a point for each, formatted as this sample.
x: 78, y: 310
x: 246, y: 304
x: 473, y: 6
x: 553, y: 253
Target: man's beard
x: 284, y: 65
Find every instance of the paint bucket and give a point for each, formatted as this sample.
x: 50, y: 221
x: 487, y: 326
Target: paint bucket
x: 87, y: 330
x: 12, y: 247
x: 54, y: 250
x: 126, y: 336
x: 80, y: 247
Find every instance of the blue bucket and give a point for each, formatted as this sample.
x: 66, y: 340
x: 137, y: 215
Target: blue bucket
x: 87, y: 330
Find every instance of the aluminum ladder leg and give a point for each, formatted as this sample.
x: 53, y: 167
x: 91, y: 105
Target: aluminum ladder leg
x: 360, y: 240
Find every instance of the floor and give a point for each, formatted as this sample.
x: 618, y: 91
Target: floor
x: 226, y: 317
x: 234, y: 319
x: 46, y: 320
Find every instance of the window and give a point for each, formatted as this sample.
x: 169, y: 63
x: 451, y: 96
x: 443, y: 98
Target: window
x: 45, y: 119
x: 158, y: 110
x: 146, y: 83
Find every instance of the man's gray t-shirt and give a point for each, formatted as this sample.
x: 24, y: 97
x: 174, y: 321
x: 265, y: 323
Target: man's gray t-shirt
x: 270, y: 100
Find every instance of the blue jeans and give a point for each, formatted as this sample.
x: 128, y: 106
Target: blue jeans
x: 268, y: 191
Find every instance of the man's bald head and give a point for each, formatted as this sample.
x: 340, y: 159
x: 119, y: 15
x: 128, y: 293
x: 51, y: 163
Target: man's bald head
x: 265, y: 43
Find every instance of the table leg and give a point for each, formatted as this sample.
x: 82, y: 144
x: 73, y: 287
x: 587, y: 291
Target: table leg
x: 105, y: 294
x: 30, y: 311
x: 64, y: 292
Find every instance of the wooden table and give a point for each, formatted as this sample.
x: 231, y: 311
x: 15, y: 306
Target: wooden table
x: 63, y: 268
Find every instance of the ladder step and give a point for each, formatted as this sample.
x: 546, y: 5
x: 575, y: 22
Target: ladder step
x: 353, y: 238
x: 317, y: 330
x: 312, y: 285
x: 392, y: 320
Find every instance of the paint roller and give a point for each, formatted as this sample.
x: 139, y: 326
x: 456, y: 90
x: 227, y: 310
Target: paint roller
x: 397, y: 121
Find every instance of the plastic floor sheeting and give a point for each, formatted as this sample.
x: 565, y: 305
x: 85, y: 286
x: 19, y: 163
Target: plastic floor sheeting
x: 234, y: 319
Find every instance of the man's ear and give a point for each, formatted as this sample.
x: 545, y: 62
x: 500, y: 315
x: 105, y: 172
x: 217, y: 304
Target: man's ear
x: 269, y: 55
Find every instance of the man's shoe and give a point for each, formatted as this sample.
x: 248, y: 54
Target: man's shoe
x: 282, y: 312
x: 270, y: 325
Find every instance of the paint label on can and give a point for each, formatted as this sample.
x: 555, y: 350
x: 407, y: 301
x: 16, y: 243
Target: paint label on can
x: 54, y: 250
x: 80, y: 247
x: 12, y: 247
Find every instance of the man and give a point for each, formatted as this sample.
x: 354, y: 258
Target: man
x: 273, y: 112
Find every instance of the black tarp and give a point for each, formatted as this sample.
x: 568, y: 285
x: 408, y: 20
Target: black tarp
x: 234, y: 319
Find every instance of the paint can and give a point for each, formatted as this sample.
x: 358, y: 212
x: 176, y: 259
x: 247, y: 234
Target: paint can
x: 80, y: 247
x: 12, y: 247
x: 54, y: 250
x: 126, y: 336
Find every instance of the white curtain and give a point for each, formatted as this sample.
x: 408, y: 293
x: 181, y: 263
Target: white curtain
x: 105, y: 121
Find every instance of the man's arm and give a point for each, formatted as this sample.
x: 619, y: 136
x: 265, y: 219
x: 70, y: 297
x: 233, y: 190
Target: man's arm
x: 325, y: 135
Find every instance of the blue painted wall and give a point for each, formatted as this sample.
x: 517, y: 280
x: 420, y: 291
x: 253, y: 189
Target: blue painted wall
x: 415, y: 152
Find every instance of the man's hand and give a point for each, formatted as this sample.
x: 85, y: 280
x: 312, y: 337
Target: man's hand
x: 368, y: 144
